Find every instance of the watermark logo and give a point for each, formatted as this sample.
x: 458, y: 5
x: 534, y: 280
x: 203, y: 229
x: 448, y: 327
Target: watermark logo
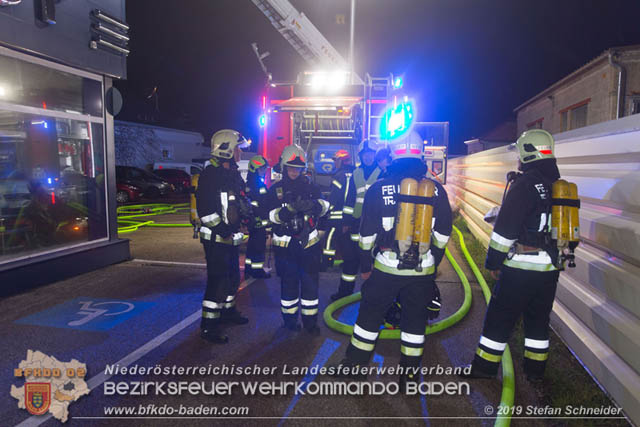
x: 37, y: 397
x: 50, y: 385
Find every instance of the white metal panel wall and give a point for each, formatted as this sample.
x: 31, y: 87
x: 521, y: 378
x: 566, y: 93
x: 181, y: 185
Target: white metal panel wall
x: 597, y: 308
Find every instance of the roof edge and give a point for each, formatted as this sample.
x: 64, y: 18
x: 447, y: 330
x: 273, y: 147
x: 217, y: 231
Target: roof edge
x: 586, y: 67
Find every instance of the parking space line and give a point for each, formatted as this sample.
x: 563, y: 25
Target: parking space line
x: 132, y: 357
x: 169, y: 263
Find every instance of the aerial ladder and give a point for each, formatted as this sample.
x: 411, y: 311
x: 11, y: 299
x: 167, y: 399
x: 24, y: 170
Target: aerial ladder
x: 303, y: 36
x: 316, y: 119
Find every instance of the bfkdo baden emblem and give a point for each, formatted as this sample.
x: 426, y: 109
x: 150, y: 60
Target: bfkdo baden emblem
x: 37, y: 397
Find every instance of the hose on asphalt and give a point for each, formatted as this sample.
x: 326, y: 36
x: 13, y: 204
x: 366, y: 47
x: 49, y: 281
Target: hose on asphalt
x: 508, y: 379
x: 126, y: 223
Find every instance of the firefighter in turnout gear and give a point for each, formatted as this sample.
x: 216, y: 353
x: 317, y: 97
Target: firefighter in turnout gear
x: 362, y: 178
x: 221, y: 207
x: 257, y: 193
x: 295, y: 205
x: 338, y: 236
x: 521, y: 252
x: 406, y: 226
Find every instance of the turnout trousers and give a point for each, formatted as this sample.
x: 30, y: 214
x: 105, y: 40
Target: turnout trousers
x: 256, y: 247
x: 299, y: 283
x: 378, y: 293
x: 223, y: 279
x: 518, y: 292
x: 348, y: 247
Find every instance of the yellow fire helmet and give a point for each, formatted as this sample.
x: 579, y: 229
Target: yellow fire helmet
x: 535, y: 144
x: 409, y: 146
x: 294, y: 156
x: 256, y: 163
x: 224, y: 142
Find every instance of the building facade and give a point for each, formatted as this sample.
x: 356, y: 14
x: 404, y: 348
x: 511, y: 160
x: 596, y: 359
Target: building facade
x: 503, y: 134
x: 142, y: 145
x: 606, y: 88
x: 57, y: 157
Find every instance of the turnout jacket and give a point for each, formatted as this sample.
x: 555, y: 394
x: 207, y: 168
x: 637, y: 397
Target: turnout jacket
x: 524, y: 218
x: 281, y: 200
x: 377, y: 228
x: 361, y: 180
x: 256, y: 191
x: 339, y: 189
x: 217, y: 204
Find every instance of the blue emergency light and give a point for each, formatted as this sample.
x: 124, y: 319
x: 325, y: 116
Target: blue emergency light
x: 398, y: 82
x: 262, y: 120
x: 396, y: 121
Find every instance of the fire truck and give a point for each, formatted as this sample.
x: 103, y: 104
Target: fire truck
x: 329, y: 108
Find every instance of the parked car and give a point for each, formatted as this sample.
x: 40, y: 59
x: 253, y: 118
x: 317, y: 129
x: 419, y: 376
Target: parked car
x: 127, y: 192
x: 151, y: 185
x: 189, y: 168
x: 177, y: 177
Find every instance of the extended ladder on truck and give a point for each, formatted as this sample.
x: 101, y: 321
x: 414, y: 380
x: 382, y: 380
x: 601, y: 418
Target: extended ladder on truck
x: 302, y: 35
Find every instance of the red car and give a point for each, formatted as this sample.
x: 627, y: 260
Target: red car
x: 126, y: 192
x: 178, y: 178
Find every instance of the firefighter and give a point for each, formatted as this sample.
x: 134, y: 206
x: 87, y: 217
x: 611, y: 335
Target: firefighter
x: 295, y: 205
x: 257, y: 192
x: 521, y: 260
x: 405, y: 272
x: 383, y: 160
x: 363, y: 177
x: 220, y: 209
x: 338, y: 235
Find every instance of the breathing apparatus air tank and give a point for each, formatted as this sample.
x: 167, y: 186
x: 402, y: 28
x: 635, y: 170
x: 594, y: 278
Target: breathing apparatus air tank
x: 565, y: 220
x: 406, y: 215
x: 193, y: 212
x: 413, y: 225
x: 424, y: 214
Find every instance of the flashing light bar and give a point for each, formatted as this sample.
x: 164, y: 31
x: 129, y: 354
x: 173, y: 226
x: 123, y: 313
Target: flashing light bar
x: 396, y: 121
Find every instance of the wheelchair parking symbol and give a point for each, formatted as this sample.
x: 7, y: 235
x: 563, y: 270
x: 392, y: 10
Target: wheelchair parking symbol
x: 88, y: 314
x: 90, y: 310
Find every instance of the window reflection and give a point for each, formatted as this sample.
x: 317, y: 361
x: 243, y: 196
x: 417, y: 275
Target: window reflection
x: 38, y: 86
x: 52, y: 189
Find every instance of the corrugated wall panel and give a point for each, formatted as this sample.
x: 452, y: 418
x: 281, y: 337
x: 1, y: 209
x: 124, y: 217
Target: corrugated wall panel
x: 597, y: 310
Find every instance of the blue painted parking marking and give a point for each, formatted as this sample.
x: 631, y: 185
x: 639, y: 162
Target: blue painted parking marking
x: 87, y: 314
x: 328, y: 347
x: 349, y: 314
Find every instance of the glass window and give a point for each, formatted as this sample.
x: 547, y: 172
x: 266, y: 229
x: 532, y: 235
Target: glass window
x: 635, y: 105
x: 52, y: 183
x: 579, y: 117
x: 38, y: 86
x: 574, y: 118
x: 564, y: 117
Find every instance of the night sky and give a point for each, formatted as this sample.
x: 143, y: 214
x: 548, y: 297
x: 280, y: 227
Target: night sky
x: 469, y: 62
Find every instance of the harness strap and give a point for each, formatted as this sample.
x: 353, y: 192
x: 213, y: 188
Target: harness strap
x: 418, y: 200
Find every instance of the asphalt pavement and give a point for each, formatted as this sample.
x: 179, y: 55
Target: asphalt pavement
x: 145, y: 312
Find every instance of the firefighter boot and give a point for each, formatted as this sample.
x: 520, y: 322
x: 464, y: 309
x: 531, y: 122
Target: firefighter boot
x: 349, y: 370
x: 471, y: 372
x: 258, y: 273
x: 406, y: 380
x: 344, y: 290
x: 233, y: 316
x: 292, y: 325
